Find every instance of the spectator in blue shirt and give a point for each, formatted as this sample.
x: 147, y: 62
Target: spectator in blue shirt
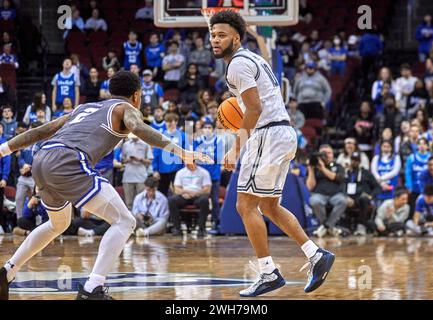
x: 158, y: 122
x: 155, y: 52
x: 415, y: 164
x: 32, y: 209
x: 213, y: 146
x: 426, y: 176
x: 152, y: 92
x: 104, y: 93
x: 132, y: 50
x: 164, y: 164
x: 338, y: 55
x: 9, y: 122
x: 7, y: 57
x: 370, y: 47
x: 66, y: 108
x: 8, y: 12
x: 422, y: 222
x: 424, y: 35
x: 5, y: 166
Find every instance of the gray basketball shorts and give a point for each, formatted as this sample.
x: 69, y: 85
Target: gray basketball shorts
x: 64, y: 175
x: 265, y: 161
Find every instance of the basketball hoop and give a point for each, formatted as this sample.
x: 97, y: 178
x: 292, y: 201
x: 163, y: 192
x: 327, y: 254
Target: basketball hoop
x: 208, y: 13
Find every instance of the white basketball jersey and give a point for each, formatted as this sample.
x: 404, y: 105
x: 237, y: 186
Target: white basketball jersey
x: 247, y: 70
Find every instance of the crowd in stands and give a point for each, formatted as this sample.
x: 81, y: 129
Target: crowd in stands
x: 380, y: 182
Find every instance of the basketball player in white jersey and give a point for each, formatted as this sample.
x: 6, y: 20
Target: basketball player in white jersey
x: 270, y: 146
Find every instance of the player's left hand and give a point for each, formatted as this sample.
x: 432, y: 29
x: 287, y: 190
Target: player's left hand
x: 3, y: 183
x: 230, y: 159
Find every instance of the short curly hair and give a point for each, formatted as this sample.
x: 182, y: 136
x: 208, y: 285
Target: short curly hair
x: 232, y: 18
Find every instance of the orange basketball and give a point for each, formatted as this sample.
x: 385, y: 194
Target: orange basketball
x: 230, y: 114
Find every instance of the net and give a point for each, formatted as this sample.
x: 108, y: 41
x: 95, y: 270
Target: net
x: 208, y: 13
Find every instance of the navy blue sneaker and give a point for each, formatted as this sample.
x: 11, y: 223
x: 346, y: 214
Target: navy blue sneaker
x: 266, y: 283
x: 320, y: 265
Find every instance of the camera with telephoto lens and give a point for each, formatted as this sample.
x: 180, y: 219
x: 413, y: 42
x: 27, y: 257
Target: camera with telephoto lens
x: 147, y: 219
x: 313, y: 158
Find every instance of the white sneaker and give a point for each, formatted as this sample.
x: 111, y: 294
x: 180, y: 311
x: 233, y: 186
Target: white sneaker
x: 140, y: 232
x: 361, y: 230
x: 335, y: 232
x: 1, y: 230
x: 321, y: 231
x: 85, y: 233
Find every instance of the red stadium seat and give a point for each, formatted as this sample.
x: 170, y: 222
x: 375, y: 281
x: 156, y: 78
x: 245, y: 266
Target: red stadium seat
x: 8, y: 74
x: 98, y: 37
x: 171, y: 94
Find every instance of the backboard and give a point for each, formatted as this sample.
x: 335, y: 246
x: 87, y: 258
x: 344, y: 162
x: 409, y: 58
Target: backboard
x: 187, y: 13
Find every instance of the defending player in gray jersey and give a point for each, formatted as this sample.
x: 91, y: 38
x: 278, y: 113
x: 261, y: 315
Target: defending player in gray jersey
x: 63, y: 171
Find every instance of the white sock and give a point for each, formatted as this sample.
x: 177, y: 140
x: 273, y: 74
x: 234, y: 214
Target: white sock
x: 95, y: 280
x: 39, y: 238
x: 11, y: 270
x: 266, y: 265
x: 309, y: 248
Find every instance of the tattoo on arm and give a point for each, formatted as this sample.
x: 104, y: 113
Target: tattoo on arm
x: 34, y: 135
x: 133, y: 121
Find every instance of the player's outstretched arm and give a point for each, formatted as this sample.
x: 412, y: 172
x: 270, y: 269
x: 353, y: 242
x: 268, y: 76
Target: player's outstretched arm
x: 32, y: 136
x: 132, y: 119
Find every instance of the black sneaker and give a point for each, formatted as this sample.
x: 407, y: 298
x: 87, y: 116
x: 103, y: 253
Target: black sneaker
x: 4, y: 284
x: 99, y: 293
x: 176, y: 232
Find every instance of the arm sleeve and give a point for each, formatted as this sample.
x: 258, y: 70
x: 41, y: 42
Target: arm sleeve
x: 374, y: 167
x: 155, y: 161
x: 404, y: 214
x: 374, y: 91
x: 243, y: 74
x: 26, y: 118
x: 327, y: 91
x: 135, y: 205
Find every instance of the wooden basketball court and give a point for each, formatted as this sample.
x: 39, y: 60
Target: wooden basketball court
x: 217, y: 268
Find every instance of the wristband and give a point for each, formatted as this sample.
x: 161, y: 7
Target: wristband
x: 5, y: 150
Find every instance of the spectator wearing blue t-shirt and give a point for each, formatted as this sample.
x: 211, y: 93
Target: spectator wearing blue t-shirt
x: 337, y: 56
x: 424, y: 35
x: 104, y: 92
x: 66, y: 108
x: 370, y: 48
x: 7, y: 57
x: 164, y: 164
x: 154, y: 53
x: 7, y: 12
x: 65, y: 84
x: 152, y: 92
x: 426, y: 176
x: 158, y: 122
x: 213, y: 146
x: 415, y: 164
x: 33, y: 209
x: 9, y: 122
x: 132, y: 51
x: 422, y: 222
x: 39, y: 102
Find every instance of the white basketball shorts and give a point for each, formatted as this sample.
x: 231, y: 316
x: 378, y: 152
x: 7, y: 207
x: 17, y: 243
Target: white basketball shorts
x: 265, y: 160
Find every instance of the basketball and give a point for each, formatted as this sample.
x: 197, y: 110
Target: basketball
x: 230, y: 114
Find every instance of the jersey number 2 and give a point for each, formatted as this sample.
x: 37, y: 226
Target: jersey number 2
x: 80, y: 117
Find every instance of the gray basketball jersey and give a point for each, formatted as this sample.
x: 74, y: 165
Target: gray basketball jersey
x: 89, y: 129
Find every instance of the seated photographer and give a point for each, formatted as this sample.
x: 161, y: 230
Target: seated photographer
x: 192, y: 185
x: 326, y: 183
x: 361, y: 189
x: 32, y: 209
x: 422, y: 222
x: 150, y: 209
x: 392, y: 214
